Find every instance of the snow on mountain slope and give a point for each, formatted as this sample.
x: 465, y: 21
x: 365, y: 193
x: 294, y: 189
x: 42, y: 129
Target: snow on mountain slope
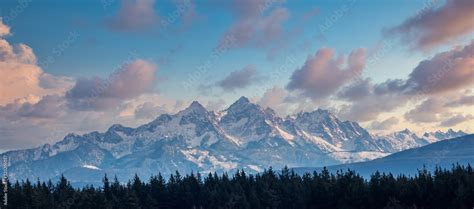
x: 345, y: 135
x: 243, y: 136
x: 444, y: 154
x: 406, y: 139
x: 439, y: 135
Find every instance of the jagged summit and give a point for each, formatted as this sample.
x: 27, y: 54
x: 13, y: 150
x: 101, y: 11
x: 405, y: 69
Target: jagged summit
x: 406, y: 131
x: 322, y: 111
x: 117, y: 127
x: 241, y: 103
x: 195, y: 107
x: 243, y: 99
x: 196, y: 104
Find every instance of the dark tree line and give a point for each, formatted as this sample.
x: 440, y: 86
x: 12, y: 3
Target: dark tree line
x: 444, y: 188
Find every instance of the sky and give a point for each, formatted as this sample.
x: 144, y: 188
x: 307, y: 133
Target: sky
x: 82, y: 65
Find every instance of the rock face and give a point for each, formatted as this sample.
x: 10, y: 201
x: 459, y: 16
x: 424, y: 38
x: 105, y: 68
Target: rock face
x: 243, y: 136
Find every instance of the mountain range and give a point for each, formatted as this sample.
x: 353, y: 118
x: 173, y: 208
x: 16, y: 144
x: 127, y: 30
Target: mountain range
x: 243, y: 136
x: 443, y: 154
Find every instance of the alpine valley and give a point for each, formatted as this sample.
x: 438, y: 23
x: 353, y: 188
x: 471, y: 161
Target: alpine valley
x: 243, y: 136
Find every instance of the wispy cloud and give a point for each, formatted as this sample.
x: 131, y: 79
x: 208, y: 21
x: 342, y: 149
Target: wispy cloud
x: 239, y: 79
x: 134, y: 15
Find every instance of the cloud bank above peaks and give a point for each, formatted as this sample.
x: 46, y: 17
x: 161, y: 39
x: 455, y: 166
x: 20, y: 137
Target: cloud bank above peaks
x: 445, y: 74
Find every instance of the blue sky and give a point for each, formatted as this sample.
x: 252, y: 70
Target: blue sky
x: 45, y: 25
x: 287, y: 55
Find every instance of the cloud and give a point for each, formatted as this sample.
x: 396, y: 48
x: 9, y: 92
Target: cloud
x: 371, y: 107
x: 322, y: 74
x: 132, y: 80
x: 254, y: 26
x: 457, y: 119
x: 445, y: 72
x: 385, y: 124
x: 272, y: 25
x: 357, y: 90
x: 465, y: 100
x: 215, y: 105
x: 148, y: 102
x: 31, y: 121
x: 134, y: 15
x: 187, y: 9
x: 275, y: 98
x: 428, y: 111
x: 21, y: 76
x: 149, y: 110
x: 20, y: 53
x: 28, y: 121
x: 49, y: 106
x: 363, y: 100
x: 239, y: 79
x: 4, y: 29
x: 440, y: 110
x: 37, y: 107
x: 436, y: 26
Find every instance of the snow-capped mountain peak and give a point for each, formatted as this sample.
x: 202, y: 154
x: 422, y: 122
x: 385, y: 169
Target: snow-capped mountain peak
x: 439, y: 135
x: 244, y: 135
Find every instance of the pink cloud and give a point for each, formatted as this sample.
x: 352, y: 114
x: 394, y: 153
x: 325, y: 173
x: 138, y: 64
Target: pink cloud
x: 134, y: 15
x: 132, y: 80
x: 255, y: 26
x: 4, y: 29
x: 437, y: 26
x: 323, y: 74
x: 21, y: 76
x: 447, y: 71
x: 275, y: 99
x: 428, y: 111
